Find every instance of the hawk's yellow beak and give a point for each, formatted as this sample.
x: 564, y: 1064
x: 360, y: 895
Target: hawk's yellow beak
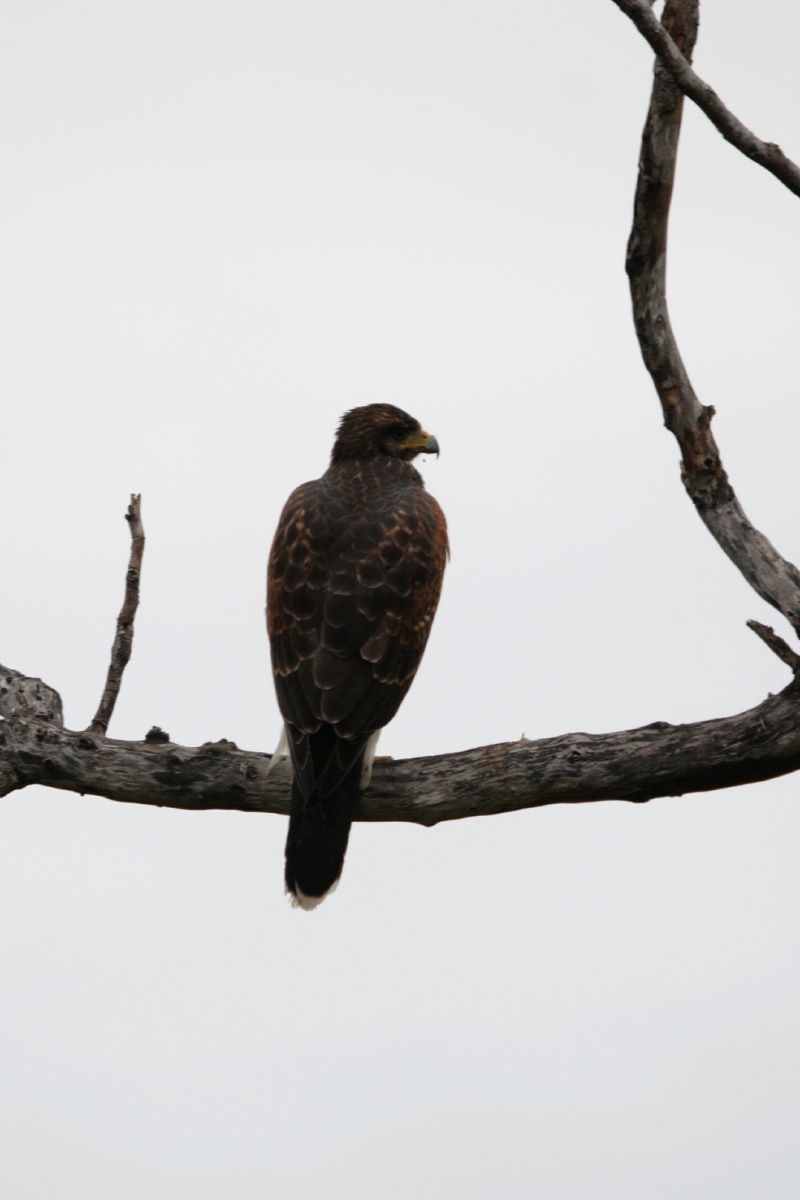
x: 421, y: 442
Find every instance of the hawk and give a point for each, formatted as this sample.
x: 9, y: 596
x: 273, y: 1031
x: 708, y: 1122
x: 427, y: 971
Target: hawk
x: 354, y: 577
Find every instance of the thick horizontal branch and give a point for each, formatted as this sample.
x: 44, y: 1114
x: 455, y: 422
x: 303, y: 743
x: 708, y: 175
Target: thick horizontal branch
x: 766, y: 154
x: 768, y: 573
x: 634, y: 765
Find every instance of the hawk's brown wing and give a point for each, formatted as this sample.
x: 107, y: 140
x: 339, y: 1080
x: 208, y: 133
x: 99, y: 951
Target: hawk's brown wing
x: 355, y: 574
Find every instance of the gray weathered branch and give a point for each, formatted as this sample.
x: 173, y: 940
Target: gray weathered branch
x: 777, y: 645
x: 634, y: 765
x: 766, y: 154
x: 776, y: 580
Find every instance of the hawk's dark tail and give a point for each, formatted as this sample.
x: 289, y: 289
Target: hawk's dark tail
x: 317, y: 841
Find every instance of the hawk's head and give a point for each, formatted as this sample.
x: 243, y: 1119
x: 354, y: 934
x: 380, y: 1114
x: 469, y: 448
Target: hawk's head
x: 377, y: 429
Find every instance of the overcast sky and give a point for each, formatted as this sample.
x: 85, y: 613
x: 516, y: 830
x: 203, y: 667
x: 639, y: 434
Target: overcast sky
x: 224, y: 224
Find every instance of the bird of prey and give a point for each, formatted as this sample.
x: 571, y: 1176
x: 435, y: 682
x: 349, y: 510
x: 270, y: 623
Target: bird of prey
x: 354, y: 577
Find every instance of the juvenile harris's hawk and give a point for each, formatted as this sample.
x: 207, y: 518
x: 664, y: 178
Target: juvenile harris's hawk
x: 354, y: 577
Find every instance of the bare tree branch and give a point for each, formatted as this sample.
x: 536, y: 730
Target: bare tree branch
x: 123, y: 641
x: 777, y: 645
x: 766, y: 154
x: 776, y: 580
x: 634, y: 765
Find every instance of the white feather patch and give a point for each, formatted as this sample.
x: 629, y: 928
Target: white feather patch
x: 281, y: 752
x: 368, y: 759
x: 309, y: 903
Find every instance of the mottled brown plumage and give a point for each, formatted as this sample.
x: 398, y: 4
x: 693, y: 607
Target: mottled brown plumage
x: 354, y: 579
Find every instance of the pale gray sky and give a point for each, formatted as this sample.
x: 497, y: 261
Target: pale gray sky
x: 223, y: 225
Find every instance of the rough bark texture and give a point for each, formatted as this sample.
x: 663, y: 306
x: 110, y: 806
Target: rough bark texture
x: 635, y: 765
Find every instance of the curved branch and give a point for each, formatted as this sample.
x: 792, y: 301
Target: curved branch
x: 766, y: 154
x: 776, y: 580
x: 634, y: 765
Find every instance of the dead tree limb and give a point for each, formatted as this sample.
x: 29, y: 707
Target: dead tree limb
x: 634, y: 765
x: 123, y: 640
x: 776, y: 580
x: 777, y: 645
x: 677, y: 63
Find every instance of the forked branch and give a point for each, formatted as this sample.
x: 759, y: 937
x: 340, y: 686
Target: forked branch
x: 776, y: 580
x: 677, y: 62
